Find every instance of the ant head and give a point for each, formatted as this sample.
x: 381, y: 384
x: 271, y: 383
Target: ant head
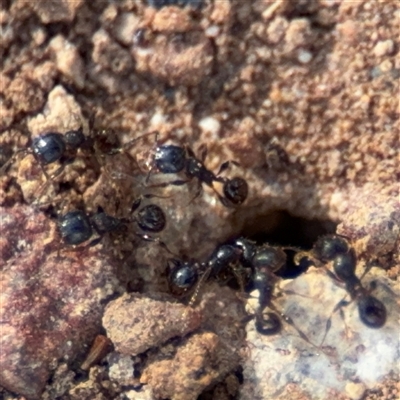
x: 327, y: 247
x: 236, y: 190
x: 270, y: 258
x: 74, y: 138
x: 182, y: 275
x: 74, y: 227
x: 372, y: 312
x: 48, y: 148
x: 151, y: 218
x: 170, y: 159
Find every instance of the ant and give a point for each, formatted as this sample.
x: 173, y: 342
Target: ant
x: 51, y: 147
x: 76, y: 227
x: 244, y: 257
x: 336, y: 249
x: 172, y: 159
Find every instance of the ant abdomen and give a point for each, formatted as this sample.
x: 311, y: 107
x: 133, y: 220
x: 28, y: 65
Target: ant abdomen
x: 75, y: 227
x: 151, y: 218
x: 170, y: 159
x: 48, y: 148
x: 268, y: 323
x: 372, y: 311
x: 182, y: 275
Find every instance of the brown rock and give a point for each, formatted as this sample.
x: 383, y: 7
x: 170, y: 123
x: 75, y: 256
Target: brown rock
x: 177, y: 61
x: 68, y: 60
x: 56, y: 11
x: 171, y: 19
x: 136, y: 323
x: 198, y: 362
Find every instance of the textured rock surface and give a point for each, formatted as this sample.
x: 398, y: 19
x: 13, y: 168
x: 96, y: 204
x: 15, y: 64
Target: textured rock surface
x: 50, y: 305
x: 338, y: 364
x: 304, y: 95
x: 136, y: 323
x: 200, y: 361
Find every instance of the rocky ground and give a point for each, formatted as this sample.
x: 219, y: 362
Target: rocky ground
x: 302, y: 94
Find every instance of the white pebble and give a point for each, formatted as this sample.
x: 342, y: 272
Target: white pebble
x: 212, y: 31
x: 384, y: 47
x: 210, y: 125
x: 304, y: 56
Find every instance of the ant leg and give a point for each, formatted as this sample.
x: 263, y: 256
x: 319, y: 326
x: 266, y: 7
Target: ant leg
x: 149, y: 238
x: 200, y: 283
x: 49, y: 181
x: 178, y: 182
x: 290, y: 322
x: 224, y: 166
x: 198, y: 193
x: 94, y: 242
x: 203, y: 152
x: 342, y: 303
x: 7, y: 164
x: 368, y: 268
x: 133, y: 141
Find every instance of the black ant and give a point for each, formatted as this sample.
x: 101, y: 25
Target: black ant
x: 171, y: 159
x: 51, y: 147
x: 76, y: 227
x: 336, y: 249
x: 245, y: 258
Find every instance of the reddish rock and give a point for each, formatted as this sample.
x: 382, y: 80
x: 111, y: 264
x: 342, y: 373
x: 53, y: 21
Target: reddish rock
x: 51, y: 304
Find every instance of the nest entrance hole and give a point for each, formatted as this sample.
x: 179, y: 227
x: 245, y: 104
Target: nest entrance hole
x: 281, y: 228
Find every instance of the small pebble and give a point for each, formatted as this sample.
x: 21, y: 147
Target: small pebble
x: 383, y: 48
x: 210, y: 125
x: 304, y: 56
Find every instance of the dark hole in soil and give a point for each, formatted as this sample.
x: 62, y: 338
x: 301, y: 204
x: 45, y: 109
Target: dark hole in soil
x: 284, y: 229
